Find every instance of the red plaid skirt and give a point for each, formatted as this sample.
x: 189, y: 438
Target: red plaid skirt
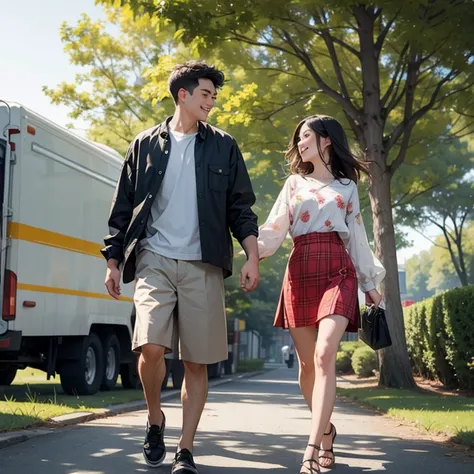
x: 320, y: 280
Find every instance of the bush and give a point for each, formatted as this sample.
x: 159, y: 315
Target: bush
x: 350, y: 346
x: 343, y: 363
x: 364, y: 361
x: 458, y: 312
x: 250, y: 365
x: 437, y: 342
x: 440, y: 337
x: 417, y: 340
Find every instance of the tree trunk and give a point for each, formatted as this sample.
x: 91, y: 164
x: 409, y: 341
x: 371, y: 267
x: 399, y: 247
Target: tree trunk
x: 459, y: 266
x: 395, y: 368
x: 462, y: 262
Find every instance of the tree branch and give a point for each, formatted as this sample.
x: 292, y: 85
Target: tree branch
x: 305, y: 58
x: 106, y: 73
x: 238, y: 37
x: 276, y: 70
x: 410, y: 118
x: 283, y: 107
x: 335, y: 61
x: 430, y: 240
x: 413, y: 197
x: 457, y: 91
x: 318, y: 31
x: 399, y: 69
x: 410, y: 85
x: 383, y: 34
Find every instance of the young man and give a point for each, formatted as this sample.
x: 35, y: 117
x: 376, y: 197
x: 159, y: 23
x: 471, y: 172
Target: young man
x: 183, y: 188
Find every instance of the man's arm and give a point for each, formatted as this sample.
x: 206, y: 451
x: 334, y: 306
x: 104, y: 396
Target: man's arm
x: 242, y: 220
x: 250, y: 273
x: 240, y: 199
x: 120, y: 215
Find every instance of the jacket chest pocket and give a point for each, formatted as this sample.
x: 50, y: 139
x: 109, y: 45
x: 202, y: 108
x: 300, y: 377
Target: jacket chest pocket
x: 218, y: 178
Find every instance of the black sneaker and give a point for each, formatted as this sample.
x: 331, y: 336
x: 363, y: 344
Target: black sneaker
x: 183, y: 463
x: 154, y: 449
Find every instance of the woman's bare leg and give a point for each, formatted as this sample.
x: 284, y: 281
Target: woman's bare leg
x: 330, y: 332
x: 305, y: 345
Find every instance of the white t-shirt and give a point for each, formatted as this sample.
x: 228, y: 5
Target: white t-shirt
x: 173, y: 227
x: 307, y: 205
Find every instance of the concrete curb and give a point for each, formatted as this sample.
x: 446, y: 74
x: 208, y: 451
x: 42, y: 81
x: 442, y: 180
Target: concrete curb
x: 53, y: 424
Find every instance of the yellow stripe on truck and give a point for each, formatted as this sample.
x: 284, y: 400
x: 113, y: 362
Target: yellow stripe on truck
x: 19, y: 231
x: 67, y: 291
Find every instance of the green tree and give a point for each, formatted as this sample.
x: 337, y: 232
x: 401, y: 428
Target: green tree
x: 433, y: 270
x: 443, y: 274
x: 418, y: 269
x: 449, y: 208
x: 413, y: 58
x: 114, y: 57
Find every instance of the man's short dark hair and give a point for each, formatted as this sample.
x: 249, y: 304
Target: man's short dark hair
x: 187, y: 75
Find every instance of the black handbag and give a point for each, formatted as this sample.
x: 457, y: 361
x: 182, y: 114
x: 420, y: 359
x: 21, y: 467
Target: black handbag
x: 374, y: 328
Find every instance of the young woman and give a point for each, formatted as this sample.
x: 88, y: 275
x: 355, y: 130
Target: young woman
x: 319, y: 207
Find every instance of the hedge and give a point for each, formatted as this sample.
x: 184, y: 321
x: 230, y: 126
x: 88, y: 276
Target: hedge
x: 346, y: 364
x: 364, y: 361
x: 440, y: 337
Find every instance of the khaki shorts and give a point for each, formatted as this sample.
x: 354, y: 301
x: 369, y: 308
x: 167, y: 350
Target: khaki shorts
x: 184, y: 299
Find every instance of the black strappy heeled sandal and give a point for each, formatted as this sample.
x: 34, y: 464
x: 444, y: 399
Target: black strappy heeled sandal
x: 312, y: 470
x: 331, y: 458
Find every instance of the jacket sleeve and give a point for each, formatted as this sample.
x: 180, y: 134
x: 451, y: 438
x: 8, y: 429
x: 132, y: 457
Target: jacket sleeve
x: 240, y: 198
x: 122, y: 207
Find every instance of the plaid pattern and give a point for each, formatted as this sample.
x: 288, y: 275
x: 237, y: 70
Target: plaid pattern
x: 320, y: 280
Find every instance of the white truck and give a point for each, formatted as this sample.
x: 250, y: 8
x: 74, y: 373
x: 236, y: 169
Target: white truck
x: 56, y: 190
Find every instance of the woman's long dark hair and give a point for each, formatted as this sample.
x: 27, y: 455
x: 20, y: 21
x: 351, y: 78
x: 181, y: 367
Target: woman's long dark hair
x: 342, y: 162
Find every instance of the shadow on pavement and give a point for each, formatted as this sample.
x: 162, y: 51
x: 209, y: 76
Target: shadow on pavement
x: 113, y: 449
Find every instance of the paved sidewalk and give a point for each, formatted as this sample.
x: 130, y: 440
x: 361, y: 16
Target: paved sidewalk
x: 249, y: 425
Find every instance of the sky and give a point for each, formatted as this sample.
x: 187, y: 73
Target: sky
x: 32, y: 56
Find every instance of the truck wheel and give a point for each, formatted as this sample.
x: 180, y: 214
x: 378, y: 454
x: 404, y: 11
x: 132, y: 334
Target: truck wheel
x: 177, y: 373
x: 111, y: 354
x: 7, y: 375
x: 84, y: 376
x: 129, y: 374
x: 167, y: 374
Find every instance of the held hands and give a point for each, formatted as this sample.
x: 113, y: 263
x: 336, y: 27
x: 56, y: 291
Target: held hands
x: 373, y: 297
x: 249, y: 276
x: 112, y: 279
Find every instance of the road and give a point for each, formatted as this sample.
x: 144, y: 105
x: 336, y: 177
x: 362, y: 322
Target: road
x: 250, y: 425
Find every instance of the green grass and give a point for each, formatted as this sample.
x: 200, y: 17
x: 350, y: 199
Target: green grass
x: 250, y: 365
x: 32, y: 399
x: 449, y: 414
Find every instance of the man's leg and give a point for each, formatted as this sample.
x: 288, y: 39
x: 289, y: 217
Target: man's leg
x: 155, y: 300
x: 152, y: 370
x: 203, y: 340
x: 193, y: 398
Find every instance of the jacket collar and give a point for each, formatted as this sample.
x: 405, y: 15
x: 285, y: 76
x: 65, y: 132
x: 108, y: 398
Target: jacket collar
x: 164, y: 129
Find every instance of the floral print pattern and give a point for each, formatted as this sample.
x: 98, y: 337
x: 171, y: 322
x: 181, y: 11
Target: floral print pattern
x: 304, y: 207
x: 329, y: 225
x: 350, y: 208
x: 305, y: 216
x: 320, y: 198
x: 340, y: 202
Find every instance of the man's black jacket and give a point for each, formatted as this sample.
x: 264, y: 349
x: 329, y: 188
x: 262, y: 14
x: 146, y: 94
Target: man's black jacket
x: 224, y: 196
